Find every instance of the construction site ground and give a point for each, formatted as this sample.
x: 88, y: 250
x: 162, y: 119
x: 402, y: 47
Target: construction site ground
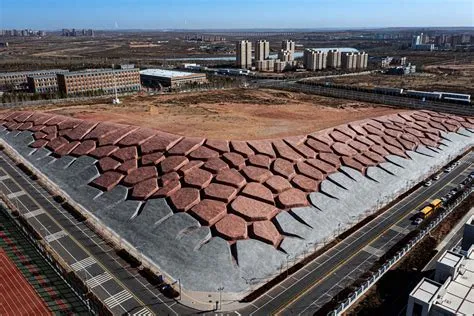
x: 227, y: 114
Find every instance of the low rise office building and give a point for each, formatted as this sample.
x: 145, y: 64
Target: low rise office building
x: 19, y: 80
x: 158, y: 78
x: 103, y: 80
x: 43, y: 84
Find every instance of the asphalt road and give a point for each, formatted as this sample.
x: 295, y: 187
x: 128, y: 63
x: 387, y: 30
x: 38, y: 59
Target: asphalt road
x: 118, y: 285
x: 318, y: 282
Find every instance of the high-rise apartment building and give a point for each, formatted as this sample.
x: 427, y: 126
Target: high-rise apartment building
x: 285, y: 55
x: 348, y: 61
x: 288, y: 45
x: 315, y: 59
x: 244, y: 54
x: 262, y: 50
x: 334, y: 59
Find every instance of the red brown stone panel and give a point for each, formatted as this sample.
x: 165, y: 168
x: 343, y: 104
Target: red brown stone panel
x: 309, y: 171
x: 209, y: 212
x: 350, y: 162
x: 374, y: 157
x: 56, y: 143
x: 266, y: 232
x: 321, y: 165
x: 364, y: 140
x: 376, y: 139
x: 304, y: 151
x: 69, y: 123
x: 114, y: 137
x: 256, y: 174
x: 259, y: 161
x: 101, y: 152
x: 152, y: 159
x: 204, y: 153
x: 39, y: 135
x: 379, y: 150
x: 108, y: 180
x: 364, y: 160
x: 186, y: 146
x: 102, y: 130
x: 263, y: 147
x: 173, y: 163
x: 283, y: 168
x: 193, y: 164
x: 161, y: 142
x: 339, y: 137
x: 124, y: 154
x: 230, y: 177
x: 357, y: 128
x: 318, y: 146
x: 185, y: 198
x: 80, y: 131
x: 198, y: 178
x: 67, y: 149
x: 170, y: 176
x: 39, y: 143
x: 322, y: 137
x: 358, y: 145
x: 343, y: 149
x: 220, y: 192
x: 25, y: 126
x: 292, y: 198
x: 286, y: 152
x: 221, y: 146
x: 407, y: 145
x: 395, y: 150
x: 51, y: 132
x: 234, y: 160
x: 215, y: 165
x: 258, y: 191
x: 137, y: 137
x: 306, y: 184
x: 108, y: 164
x: 331, y: 159
x: 168, y: 189
x: 253, y: 210
x: 128, y: 166
x: 346, y: 131
x: 145, y: 189
x: 242, y: 148
x: 140, y: 174
x: 56, y: 120
x: 232, y: 227
x: 278, y: 184
x: 372, y: 130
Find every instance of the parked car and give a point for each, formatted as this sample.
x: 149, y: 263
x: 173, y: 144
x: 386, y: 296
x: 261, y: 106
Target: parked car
x: 428, y: 183
x: 418, y: 221
x: 436, y: 176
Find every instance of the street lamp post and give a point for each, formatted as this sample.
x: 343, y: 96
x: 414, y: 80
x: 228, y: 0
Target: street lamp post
x: 220, y: 289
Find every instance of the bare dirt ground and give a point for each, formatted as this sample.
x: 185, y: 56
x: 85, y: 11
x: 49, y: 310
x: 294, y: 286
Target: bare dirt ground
x: 229, y: 114
x: 440, y: 77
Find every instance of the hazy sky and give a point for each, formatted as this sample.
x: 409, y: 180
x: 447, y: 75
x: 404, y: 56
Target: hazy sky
x: 169, y: 14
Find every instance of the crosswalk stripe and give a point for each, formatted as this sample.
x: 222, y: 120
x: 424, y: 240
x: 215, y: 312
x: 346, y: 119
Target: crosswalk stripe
x: 33, y: 213
x: 15, y: 194
x: 98, y: 280
x: 3, y: 178
x: 84, y: 263
x: 118, y: 298
x: 143, y: 312
x: 55, y: 236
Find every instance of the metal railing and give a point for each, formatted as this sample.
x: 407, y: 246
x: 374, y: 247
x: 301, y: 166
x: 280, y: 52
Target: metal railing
x: 61, y: 268
x: 356, y: 294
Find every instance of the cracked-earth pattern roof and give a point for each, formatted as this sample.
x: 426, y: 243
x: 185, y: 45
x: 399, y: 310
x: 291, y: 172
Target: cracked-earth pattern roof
x: 234, y: 187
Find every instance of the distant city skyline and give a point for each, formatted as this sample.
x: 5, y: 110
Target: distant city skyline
x: 243, y: 14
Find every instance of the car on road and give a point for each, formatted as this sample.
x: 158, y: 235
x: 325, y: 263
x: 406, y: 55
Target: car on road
x: 448, y: 169
x: 418, y: 221
x: 437, y: 176
x: 428, y: 183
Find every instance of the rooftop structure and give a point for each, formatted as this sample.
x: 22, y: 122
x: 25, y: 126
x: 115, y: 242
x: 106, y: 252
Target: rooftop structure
x: 452, y: 290
x: 155, y: 78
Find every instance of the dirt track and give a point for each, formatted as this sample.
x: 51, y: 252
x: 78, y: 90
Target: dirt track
x: 230, y: 114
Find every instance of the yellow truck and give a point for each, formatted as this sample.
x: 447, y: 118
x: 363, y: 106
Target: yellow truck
x: 425, y: 212
x: 435, y: 204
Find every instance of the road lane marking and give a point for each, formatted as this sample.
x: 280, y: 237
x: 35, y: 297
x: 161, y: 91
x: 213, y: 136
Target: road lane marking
x: 33, y: 213
x: 15, y: 194
x: 82, y: 264
x: 118, y: 298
